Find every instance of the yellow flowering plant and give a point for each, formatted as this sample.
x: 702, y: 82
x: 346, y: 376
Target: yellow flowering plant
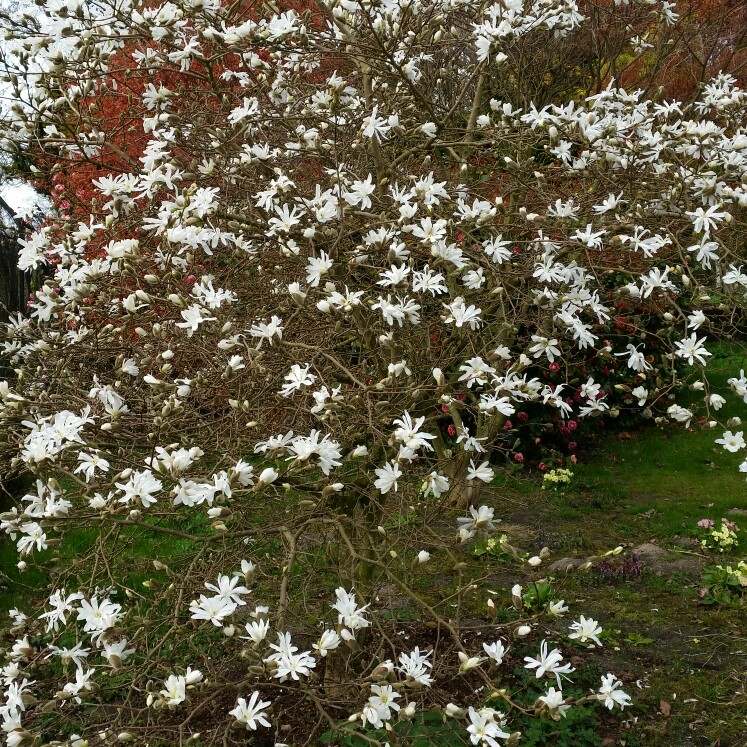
x: 723, y: 539
x: 725, y: 584
x: 556, y: 479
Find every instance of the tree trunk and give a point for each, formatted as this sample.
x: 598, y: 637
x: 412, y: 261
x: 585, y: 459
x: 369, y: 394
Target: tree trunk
x: 462, y: 493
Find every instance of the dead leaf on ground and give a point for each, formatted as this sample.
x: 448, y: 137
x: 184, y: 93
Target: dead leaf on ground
x: 665, y: 708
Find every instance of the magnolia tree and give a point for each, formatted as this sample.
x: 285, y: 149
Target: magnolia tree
x: 327, y: 272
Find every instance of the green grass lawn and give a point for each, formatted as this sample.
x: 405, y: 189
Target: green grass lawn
x: 674, y: 475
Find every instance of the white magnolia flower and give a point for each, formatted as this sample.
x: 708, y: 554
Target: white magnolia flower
x: 415, y: 667
x: 483, y: 728
x: 383, y: 700
x: 496, y: 651
x: 349, y: 613
x: 557, y: 608
x: 193, y: 317
x: 479, y: 518
x: 251, y: 713
x: 387, y: 477
x: 544, y: 346
x: 585, y: 629
x: 435, y: 485
x: 316, y: 267
x: 732, y: 442
x: 692, y: 349
x: 175, y: 690
x: 548, y: 663
x: 328, y: 642
x: 482, y: 472
x: 554, y: 701
x: 610, y: 693
x: 297, y: 377
x: 214, y: 609
x: 641, y: 394
x: 257, y: 630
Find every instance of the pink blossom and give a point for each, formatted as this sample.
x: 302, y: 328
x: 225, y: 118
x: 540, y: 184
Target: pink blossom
x: 519, y: 458
x: 706, y: 523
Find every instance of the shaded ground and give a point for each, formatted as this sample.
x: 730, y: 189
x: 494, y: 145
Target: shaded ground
x: 687, y: 663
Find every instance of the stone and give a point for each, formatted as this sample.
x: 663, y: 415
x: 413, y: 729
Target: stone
x: 659, y: 561
x: 563, y: 563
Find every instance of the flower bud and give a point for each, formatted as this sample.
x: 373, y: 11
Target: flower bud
x: 193, y: 676
x: 454, y: 711
x: 468, y: 662
x: 267, y: 477
x: 518, y: 602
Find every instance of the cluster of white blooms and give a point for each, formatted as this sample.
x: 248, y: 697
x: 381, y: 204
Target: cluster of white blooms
x: 99, y: 619
x: 314, y: 270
